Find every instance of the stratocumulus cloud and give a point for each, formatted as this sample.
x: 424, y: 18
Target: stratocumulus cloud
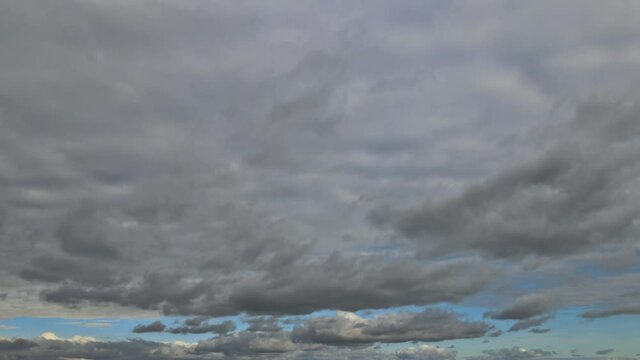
x: 318, y: 179
x: 577, y: 194
x: 348, y: 328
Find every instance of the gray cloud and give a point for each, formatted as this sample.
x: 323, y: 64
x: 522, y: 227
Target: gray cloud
x: 515, y: 353
x: 195, y: 321
x: 156, y: 326
x: 203, y: 327
x: 425, y: 352
x: 209, y: 158
x: 349, y: 329
x: 604, y: 352
x: 247, y: 343
x: 264, y: 323
x: 80, y: 235
x: 241, y: 345
x: 625, y: 309
x: 340, y: 282
x: 523, y: 308
x: 577, y: 194
x: 17, y: 344
x: 530, y: 322
x: 43, y: 348
x: 54, y: 268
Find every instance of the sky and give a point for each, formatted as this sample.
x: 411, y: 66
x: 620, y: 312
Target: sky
x: 298, y: 179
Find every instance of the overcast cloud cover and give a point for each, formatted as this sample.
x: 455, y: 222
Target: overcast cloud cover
x: 337, y: 179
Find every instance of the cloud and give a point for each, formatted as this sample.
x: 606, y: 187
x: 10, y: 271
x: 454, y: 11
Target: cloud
x: 51, y: 347
x: 576, y: 194
x: 76, y: 339
x: 515, y: 353
x: 54, y: 268
x: 17, y: 344
x: 264, y: 323
x: 190, y: 326
x: 349, y: 329
x: 299, y: 287
x: 604, y: 352
x: 79, y: 234
x: 530, y: 322
x: 247, y: 343
x: 207, y: 159
x: 425, y: 352
x: 523, y: 308
x: 155, y: 326
x: 625, y: 309
x: 202, y: 328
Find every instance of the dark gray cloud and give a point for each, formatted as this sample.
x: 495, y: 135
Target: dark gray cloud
x: 195, y: 321
x: 203, y: 328
x: 241, y: 345
x: 44, y: 348
x: 211, y: 158
x: 515, y: 353
x: 578, y: 194
x: 247, y: 343
x: 604, y: 352
x: 264, y: 323
x: 539, y: 330
x: 238, y: 346
x: 523, y: 308
x: 340, y: 282
x: 625, y: 309
x: 17, y: 344
x: 530, y: 322
x: 156, y: 326
x: 55, y: 268
x: 349, y: 329
x: 81, y: 235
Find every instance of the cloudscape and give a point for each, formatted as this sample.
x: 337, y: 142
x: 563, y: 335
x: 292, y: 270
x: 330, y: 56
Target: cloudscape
x: 319, y: 179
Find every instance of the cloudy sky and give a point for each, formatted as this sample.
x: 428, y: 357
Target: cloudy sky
x: 330, y: 179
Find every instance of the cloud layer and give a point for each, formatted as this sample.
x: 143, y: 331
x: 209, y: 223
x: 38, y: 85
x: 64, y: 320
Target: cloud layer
x: 270, y: 159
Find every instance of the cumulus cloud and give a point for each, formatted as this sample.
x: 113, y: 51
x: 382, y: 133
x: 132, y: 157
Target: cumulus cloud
x: 203, y: 327
x: 425, y: 352
x: 515, y: 353
x: 247, y: 343
x: 349, y: 329
x: 50, y: 347
x: 156, y: 326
